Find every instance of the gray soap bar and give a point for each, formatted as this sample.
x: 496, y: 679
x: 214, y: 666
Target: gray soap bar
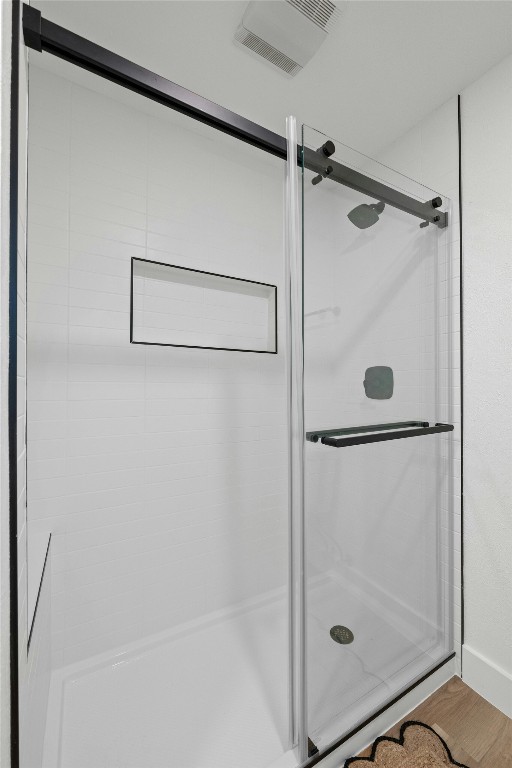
x: 378, y: 382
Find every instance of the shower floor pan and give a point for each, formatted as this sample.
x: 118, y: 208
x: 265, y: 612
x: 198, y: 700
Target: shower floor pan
x: 214, y: 694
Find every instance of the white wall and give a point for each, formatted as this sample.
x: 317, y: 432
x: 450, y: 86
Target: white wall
x: 160, y: 471
x: 429, y: 153
x: 487, y: 200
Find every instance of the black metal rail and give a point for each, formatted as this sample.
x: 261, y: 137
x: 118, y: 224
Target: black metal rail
x: 347, y: 436
x: 43, y: 35
x: 329, y: 168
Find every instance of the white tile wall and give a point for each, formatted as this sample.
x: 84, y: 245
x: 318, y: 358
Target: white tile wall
x: 160, y: 471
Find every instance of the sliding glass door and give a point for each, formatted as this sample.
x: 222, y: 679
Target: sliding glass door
x: 376, y: 480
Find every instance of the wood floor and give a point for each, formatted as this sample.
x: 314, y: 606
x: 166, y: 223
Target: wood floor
x: 478, y: 734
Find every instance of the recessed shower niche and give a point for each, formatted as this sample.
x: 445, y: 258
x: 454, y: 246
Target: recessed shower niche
x: 182, y: 307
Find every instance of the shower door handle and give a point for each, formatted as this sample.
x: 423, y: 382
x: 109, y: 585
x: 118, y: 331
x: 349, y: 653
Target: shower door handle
x: 347, y: 436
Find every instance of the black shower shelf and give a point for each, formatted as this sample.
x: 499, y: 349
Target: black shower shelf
x: 345, y: 436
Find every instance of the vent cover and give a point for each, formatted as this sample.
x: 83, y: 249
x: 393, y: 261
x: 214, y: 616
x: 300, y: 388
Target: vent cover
x: 287, y: 33
x: 321, y: 12
x: 262, y: 48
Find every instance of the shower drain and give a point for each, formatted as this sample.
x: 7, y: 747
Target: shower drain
x: 341, y: 634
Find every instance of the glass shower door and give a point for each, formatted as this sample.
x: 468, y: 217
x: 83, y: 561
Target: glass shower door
x: 376, y: 364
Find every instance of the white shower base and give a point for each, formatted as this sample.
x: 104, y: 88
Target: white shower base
x: 214, y: 694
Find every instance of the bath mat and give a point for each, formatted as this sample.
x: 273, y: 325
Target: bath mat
x: 419, y: 746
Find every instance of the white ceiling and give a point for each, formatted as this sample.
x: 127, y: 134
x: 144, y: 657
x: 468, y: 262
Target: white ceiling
x: 387, y: 64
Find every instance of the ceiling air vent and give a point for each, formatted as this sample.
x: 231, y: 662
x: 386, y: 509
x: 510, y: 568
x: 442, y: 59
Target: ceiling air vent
x: 287, y: 33
x: 262, y: 48
x: 321, y: 12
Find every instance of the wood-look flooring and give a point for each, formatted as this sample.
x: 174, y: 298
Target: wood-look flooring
x: 478, y: 734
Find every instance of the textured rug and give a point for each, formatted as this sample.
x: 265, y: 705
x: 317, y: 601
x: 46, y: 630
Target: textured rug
x: 419, y: 746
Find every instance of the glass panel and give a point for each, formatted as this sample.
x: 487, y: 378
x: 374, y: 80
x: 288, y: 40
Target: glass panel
x: 376, y: 359
x: 160, y: 471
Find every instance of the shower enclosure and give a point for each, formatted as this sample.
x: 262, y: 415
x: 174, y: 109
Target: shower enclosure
x: 243, y: 458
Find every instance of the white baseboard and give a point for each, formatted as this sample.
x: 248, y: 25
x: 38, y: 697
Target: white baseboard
x: 487, y: 679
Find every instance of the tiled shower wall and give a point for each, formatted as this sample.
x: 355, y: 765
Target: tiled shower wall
x: 160, y: 471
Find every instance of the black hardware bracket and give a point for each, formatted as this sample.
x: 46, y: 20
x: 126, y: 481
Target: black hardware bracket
x: 32, y: 27
x: 347, y: 436
x: 43, y: 35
